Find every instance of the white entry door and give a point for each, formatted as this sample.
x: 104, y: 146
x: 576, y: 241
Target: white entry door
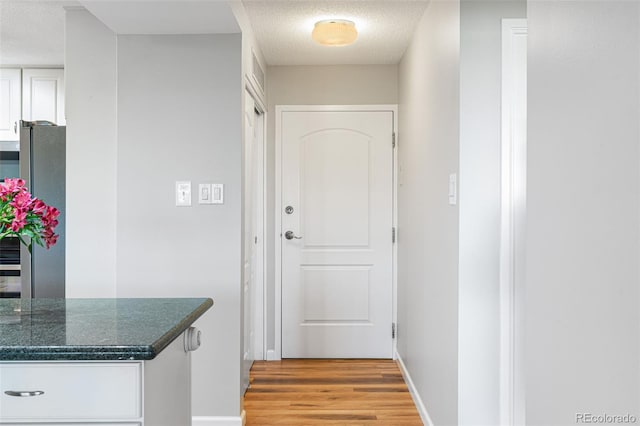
x: 337, y: 218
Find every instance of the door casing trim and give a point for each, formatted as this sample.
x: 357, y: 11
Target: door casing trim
x: 276, y: 354
x: 512, y: 235
x: 260, y: 314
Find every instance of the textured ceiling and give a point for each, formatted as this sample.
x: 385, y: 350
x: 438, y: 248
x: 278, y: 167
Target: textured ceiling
x: 283, y: 30
x: 164, y: 16
x: 32, y: 32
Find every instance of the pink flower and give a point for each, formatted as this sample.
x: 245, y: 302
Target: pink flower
x: 21, y: 200
x: 51, y: 213
x: 26, y: 216
x: 39, y: 207
x: 19, y: 220
x: 14, y: 185
x: 48, y: 222
x: 49, y: 241
x: 11, y: 187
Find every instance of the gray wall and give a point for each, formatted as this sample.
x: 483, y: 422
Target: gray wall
x: 582, y: 210
x: 178, y: 101
x: 480, y: 164
x: 179, y: 119
x: 91, y: 105
x: 316, y: 85
x: 428, y: 225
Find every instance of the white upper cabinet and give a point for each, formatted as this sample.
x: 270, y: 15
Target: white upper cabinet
x: 9, y: 104
x: 43, y: 95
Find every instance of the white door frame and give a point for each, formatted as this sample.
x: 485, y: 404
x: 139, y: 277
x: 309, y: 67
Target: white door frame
x: 277, y: 355
x: 512, y: 233
x: 260, y: 315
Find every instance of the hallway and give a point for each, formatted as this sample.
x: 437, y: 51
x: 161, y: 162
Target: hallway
x: 328, y: 392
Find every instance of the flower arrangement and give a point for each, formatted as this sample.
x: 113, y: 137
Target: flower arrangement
x: 26, y: 217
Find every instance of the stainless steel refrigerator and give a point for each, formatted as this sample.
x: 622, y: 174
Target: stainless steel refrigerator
x: 42, y: 166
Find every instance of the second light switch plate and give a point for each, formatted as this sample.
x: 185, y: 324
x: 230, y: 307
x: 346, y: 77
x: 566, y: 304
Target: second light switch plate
x: 211, y: 193
x: 204, y: 193
x: 217, y: 193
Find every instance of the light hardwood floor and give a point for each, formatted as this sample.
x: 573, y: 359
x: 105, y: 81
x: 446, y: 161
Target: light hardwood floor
x: 329, y: 392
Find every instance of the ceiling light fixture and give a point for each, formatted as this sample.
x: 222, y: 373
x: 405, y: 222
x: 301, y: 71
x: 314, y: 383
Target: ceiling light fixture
x: 334, y: 32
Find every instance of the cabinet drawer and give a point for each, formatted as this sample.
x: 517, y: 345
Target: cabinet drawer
x: 71, y: 391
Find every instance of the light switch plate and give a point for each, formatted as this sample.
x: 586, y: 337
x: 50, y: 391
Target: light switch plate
x: 183, y: 193
x: 217, y: 193
x: 204, y: 193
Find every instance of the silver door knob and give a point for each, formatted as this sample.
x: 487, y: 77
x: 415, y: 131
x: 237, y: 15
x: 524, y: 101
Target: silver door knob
x: 289, y: 235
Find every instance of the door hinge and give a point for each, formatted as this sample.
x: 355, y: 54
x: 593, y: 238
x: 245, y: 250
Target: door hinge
x: 393, y: 139
x: 393, y: 234
x: 393, y: 330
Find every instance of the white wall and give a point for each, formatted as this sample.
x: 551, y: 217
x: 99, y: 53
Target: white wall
x: 583, y: 209
x: 480, y: 164
x: 178, y: 118
x: 91, y: 105
x: 428, y: 225
x: 316, y: 85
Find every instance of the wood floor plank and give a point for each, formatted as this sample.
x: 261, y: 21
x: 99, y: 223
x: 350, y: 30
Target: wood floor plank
x: 329, y: 392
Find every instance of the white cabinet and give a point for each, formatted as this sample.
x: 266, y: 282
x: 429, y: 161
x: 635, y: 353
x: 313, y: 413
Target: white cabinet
x: 104, y: 393
x: 80, y: 391
x: 43, y: 95
x: 10, y: 104
x: 30, y: 94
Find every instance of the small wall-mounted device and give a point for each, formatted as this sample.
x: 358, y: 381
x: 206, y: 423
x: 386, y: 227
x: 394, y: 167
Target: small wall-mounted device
x: 453, y: 189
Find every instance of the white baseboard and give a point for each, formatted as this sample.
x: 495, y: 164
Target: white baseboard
x: 422, y: 410
x: 217, y: 421
x: 271, y: 355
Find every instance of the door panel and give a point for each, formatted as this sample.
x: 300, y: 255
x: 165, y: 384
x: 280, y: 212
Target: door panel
x: 337, y: 275
x: 333, y: 293
x: 334, y: 171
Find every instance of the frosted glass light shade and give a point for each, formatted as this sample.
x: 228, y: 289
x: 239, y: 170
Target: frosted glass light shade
x: 334, y: 32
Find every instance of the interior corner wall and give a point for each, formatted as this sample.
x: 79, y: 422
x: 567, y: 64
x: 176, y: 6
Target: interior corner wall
x: 179, y: 118
x: 480, y: 203
x: 91, y: 106
x: 429, y: 112
x: 583, y: 210
x: 316, y: 85
x: 142, y: 113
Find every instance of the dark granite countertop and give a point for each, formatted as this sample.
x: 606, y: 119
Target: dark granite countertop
x: 93, y: 329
